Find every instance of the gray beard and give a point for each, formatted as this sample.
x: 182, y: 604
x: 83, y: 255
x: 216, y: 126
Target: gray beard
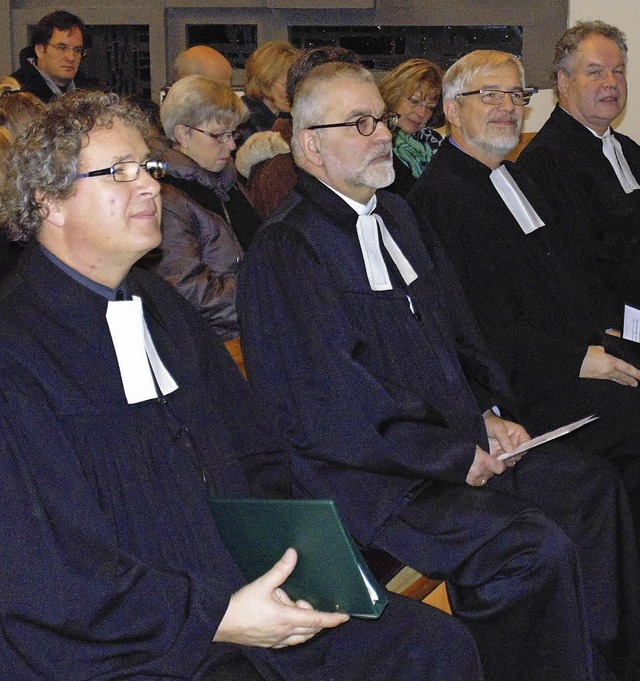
x: 374, y: 176
x: 378, y: 177
x: 496, y: 145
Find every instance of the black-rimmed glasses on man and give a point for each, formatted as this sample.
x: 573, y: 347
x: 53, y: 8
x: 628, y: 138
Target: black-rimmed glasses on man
x: 495, y: 97
x: 128, y: 171
x: 365, y: 125
x: 220, y: 137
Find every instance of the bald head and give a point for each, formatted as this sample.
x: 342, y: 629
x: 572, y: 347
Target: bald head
x: 201, y: 60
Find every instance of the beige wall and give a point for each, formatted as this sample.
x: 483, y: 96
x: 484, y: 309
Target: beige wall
x: 626, y: 15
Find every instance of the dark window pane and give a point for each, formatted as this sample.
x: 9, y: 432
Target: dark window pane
x: 235, y: 41
x: 118, y: 59
x: 384, y: 47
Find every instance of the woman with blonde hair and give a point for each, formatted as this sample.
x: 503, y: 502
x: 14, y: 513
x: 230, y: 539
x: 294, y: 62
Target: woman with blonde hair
x: 413, y: 90
x: 265, y: 93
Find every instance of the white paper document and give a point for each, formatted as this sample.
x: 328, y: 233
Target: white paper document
x: 545, y: 437
x: 631, y: 325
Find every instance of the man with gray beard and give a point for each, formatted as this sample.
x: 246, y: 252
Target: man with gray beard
x: 361, y: 345
x: 542, y: 318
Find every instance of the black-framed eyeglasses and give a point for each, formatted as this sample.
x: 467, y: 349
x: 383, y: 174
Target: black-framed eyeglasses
x: 495, y: 97
x: 365, y: 125
x: 61, y: 48
x: 128, y: 171
x: 220, y: 137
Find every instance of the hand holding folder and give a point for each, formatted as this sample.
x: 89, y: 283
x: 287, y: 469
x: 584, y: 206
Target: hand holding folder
x: 331, y: 574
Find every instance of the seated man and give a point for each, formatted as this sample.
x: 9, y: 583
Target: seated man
x: 48, y: 67
x: 587, y: 170
x: 118, y: 418
x: 541, y: 317
x: 372, y: 367
x: 201, y: 60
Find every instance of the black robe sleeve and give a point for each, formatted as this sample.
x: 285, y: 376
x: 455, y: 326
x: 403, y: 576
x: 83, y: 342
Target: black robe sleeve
x: 81, y: 604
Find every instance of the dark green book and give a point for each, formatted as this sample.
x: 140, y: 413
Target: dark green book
x: 330, y: 573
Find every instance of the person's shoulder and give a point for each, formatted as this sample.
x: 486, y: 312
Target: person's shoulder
x: 444, y: 179
x: 175, y: 200
x: 561, y: 134
x: 626, y: 141
x: 32, y: 82
x: 283, y: 237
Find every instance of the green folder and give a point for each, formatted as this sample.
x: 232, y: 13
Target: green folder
x: 330, y: 573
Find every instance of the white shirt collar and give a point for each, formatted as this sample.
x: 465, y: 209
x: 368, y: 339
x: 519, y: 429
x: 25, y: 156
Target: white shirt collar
x: 360, y: 208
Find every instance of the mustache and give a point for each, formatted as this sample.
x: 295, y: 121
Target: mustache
x: 381, y: 149
x: 511, y: 117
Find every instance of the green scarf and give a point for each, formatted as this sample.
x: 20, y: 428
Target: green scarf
x: 416, y: 150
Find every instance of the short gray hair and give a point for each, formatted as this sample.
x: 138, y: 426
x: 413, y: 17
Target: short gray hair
x: 44, y: 163
x: 571, y: 39
x: 196, y: 101
x: 463, y: 72
x: 310, y: 101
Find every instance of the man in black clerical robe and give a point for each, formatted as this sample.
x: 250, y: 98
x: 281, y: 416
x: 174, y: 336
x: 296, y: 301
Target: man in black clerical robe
x: 112, y: 567
x: 373, y: 369
x: 541, y: 316
x: 598, y: 194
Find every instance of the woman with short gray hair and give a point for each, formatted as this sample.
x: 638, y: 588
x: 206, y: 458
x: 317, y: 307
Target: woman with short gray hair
x: 207, y: 221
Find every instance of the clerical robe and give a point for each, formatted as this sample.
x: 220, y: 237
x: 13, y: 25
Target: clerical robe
x: 601, y: 224
x: 380, y: 395
x: 112, y: 567
x: 538, y: 311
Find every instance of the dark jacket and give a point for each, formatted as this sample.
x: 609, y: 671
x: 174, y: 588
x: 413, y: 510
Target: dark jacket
x: 200, y: 253
x: 260, y: 118
x: 317, y: 342
x: 31, y: 81
x: 602, y: 223
x: 538, y: 312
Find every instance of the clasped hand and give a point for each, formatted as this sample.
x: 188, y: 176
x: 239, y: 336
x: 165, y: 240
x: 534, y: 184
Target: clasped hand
x: 262, y: 615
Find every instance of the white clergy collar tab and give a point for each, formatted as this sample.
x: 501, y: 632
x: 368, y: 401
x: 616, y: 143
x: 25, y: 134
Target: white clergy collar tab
x: 515, y: 200
x: 369, y: 229
x: 369, y: 226
x: 612, y: 149
x: 141, y: 369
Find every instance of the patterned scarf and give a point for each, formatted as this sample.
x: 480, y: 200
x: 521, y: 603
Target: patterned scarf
x: 416, y: 150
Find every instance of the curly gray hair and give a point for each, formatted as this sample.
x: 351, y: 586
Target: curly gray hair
x: 571, y: 39
x: 44, y: 163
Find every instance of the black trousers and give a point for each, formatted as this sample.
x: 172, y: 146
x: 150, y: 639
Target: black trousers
x: 541, y: 565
